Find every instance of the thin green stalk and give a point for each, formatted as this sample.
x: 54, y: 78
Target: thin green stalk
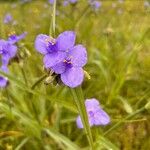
x: 24, y: 76
x: 79, y: 100
x: 123, y: 120
x: 53, y: 20
x: 38, y: 81
x: 83, y: 14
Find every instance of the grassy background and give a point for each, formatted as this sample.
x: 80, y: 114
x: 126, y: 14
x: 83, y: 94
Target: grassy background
x: 117, y: 38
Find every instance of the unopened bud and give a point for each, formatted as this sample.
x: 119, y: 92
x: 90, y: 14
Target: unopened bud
x: 87, y: 75
x: 147, y: 106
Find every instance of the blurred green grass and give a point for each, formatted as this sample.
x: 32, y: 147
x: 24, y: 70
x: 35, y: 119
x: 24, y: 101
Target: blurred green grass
x: 117, y: 40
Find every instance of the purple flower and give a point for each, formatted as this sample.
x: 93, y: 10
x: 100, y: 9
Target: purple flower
x: 13, y: 38
x: 63, y: 57
x: 66, y: 2
x: 7, y: 51
x: 3, y: 80
x: 73, y: 1
x: 95, y: 4
x: 96, y: 115
x: 8, y: 18
x: 54, y: 50
x: 51, y: 1
x: 70, y: 69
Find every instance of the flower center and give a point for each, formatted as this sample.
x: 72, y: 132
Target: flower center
x: 91, y: 113
x: 50, y: 44
x: 12, y: 35
x: 68, y: 61
x: 50, y: 41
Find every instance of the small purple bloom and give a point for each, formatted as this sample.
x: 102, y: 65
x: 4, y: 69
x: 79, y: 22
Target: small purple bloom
x: 7, y: 51
x: 66, y: 2
x: 8, y: 18
x: 95, y: 4
x: 51, y: 1
x: 73, y: 1
x: 13, y: 38
x: 96, y: 115
x: 3, y: 80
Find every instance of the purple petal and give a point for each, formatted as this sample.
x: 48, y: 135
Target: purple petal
x: 3, y: 80
x: 51, y: 1
x: 12, y: 50
x: 79, y: 122
x: 92, y: 104
x: 59, y: 68
x: 66, y: 40
x: 79, y: 56
x: 40, y: 43
x: 7, y: 50
x: 4, y: 68
x: 5, y: 59
x: 51, y: 59
x: 101, y: 118
x: 15, y: 38
x: 72, y: 77
x: 8, y: 18
x: 73, y: 1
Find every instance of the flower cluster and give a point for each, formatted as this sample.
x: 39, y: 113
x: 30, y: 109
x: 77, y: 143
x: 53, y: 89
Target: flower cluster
x: 8, y: 50
x: 63, y: 57
x: 96, y: 115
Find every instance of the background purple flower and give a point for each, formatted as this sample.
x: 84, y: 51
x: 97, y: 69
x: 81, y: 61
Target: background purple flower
x: 13, y: 38
x: 3, y: 80
x: 51, y: 1
x: 66, y: 2
x: 95, y: 4
x: 7, y: 51
x: 96, y: 115
x: 8, y: 18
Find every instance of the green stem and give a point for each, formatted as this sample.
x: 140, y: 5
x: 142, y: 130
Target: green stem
x: 122, y: 121
x: 24, y: 76
x: 53, y: 22
x: 79, y: 100
x: 83, y: 15
x: 38, y: 81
